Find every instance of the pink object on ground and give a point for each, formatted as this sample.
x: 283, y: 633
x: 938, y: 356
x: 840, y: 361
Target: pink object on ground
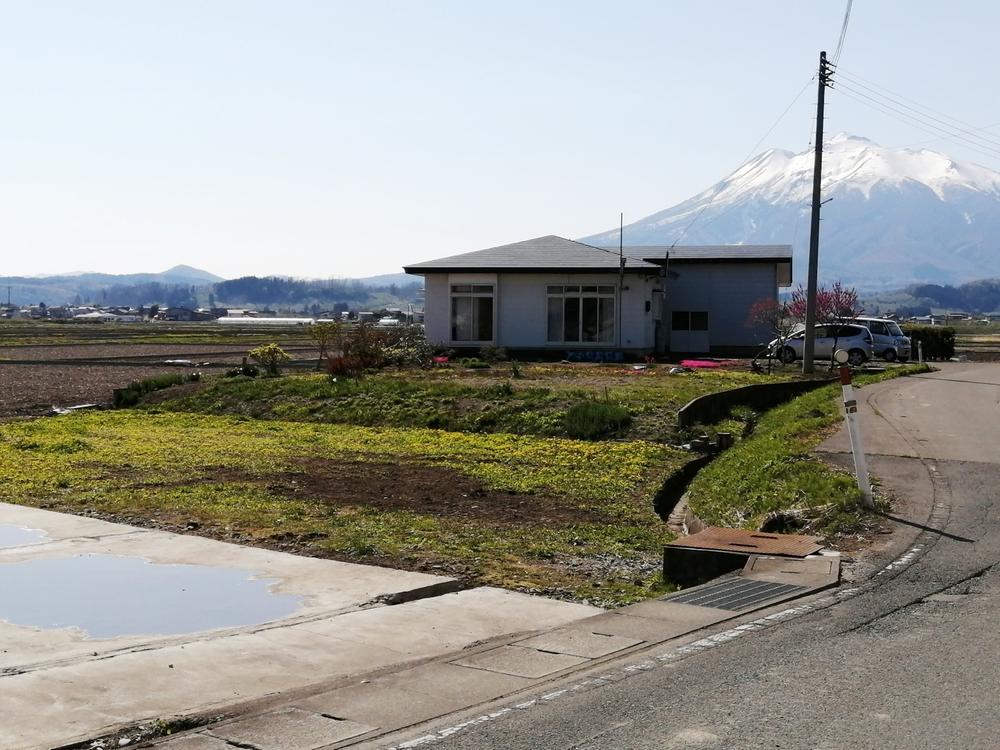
x: 695, y: 364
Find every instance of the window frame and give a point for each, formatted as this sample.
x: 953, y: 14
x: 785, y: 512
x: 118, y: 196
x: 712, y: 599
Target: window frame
x: 474, y: 291
x: 689, y: 317
x: 602, y: 294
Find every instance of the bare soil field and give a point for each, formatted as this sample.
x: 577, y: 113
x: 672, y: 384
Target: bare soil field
x: 113, y: 352
x: 87, y: 373
x: 32, y: 390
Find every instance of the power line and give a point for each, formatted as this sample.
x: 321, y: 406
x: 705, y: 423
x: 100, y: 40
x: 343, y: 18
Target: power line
x: 934, y: 140
x: 981, y: 146
x: 743, y: 163
x: 923, y: 111
x: 843, y: 33
x: 916, y: 124
x: 859, y: 80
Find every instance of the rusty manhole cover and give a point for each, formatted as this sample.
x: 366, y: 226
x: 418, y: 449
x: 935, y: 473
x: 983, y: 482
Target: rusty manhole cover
x: 750, y: 542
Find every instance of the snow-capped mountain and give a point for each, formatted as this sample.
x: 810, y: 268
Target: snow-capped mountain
x: 893, y: 216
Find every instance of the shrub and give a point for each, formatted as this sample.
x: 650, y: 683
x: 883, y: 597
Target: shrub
x: 938, y: 341
x: 515, y: 369
x: 406, y: 345
x: 367, y: 344
x: 492, y: 354
x: 501, y: 390
x: 249, y: 371
x: 270, y: 356
x: 590, y: 420
x: 474, y: 363
x: 344, y: 367
x: 129, y: 396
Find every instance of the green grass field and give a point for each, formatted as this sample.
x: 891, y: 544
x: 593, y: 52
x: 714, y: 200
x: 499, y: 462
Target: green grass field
x: 567, y: 518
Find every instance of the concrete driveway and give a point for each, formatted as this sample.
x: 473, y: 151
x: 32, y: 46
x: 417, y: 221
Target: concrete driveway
x: 65, y: 677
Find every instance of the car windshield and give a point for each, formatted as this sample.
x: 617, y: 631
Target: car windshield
x: 895, y: 330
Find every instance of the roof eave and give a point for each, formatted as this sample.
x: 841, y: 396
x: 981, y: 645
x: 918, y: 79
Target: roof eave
x: 419, y: 270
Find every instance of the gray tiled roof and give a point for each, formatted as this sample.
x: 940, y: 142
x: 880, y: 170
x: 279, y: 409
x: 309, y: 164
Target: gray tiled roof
x: 712, y: 252
x: 554, y: 253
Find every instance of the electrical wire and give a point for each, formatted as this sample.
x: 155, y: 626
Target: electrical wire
x: 980, y: 146
x: 858, y: 79
x: 746, y: 159
x: 843, y: 33
x: 921, y: 111
x: 934, y: 140
x: 916, y: 124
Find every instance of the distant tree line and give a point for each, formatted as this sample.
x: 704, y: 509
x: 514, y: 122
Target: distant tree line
x: 981, y: 296
x: 134, y: 295
x: 275, y: 290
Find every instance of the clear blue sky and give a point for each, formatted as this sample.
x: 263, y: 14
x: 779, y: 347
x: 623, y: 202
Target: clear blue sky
x: 347, y: 138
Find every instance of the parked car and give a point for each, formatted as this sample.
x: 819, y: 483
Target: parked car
x: 854, y: 338
x: 890, y: 342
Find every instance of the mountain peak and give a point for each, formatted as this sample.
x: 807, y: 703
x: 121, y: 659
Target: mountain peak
x: 190, y: 273
x: 897, y: 215
x: 843, y: 137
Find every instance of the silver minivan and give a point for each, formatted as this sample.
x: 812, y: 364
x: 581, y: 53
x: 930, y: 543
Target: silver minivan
x: 888, y: 339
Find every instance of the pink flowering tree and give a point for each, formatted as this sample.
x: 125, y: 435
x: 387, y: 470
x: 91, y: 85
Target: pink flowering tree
x: 834, y: 304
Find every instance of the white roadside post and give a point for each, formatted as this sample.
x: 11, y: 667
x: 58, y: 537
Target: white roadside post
x: 854, y: 430
x: 920, y: 352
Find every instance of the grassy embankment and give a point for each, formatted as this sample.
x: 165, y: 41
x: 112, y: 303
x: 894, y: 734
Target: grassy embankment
x: 479, y: 401
x: 773, y: 471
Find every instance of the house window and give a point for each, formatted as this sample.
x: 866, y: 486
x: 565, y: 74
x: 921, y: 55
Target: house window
x: 472, y: 312
x: 581, y: 314
x: 684, y: 320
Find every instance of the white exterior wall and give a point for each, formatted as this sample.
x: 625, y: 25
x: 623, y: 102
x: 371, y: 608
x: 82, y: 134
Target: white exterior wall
x: 726, y: 291
x: 521, y: 308
x: 436, y: 308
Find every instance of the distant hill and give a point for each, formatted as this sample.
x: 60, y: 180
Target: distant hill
x: 189, y: 275
x: 192, y: 287
x: 388, y: 279
x: 893, y: 217
x: 982, y: 296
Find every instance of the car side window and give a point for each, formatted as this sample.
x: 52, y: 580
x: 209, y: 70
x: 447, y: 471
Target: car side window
x: 878, y: 329
x: 848, y: 332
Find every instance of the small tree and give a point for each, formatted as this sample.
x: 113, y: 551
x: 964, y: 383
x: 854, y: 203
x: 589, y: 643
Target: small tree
x: 776, y: 318
x: 270, y: 356
x: 835, y: 304
x: 328, y: 336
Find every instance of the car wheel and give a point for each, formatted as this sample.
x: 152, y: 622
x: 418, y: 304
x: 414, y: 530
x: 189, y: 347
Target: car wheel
x: 889, y: 355
x: 787, y: 355
x: 856, y: 357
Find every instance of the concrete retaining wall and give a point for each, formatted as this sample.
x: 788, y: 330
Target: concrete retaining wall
x: 714, y: 406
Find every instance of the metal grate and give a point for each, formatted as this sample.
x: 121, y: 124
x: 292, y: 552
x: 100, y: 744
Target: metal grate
x: 735, y: 594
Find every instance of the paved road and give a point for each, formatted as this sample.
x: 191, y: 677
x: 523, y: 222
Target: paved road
x: 912, y: 662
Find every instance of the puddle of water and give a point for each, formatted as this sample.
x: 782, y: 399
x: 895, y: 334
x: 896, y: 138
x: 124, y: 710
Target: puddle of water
x: 18, y: 536
x: 108, y: 596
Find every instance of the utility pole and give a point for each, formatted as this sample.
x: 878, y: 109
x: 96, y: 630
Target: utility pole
x: 809, y: 345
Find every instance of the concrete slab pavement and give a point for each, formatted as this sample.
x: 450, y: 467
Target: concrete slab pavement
x: 505, y: 666
x: 58, y: 685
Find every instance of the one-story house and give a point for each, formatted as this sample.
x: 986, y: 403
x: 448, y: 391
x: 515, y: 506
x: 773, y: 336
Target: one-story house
x: 556, y: 295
